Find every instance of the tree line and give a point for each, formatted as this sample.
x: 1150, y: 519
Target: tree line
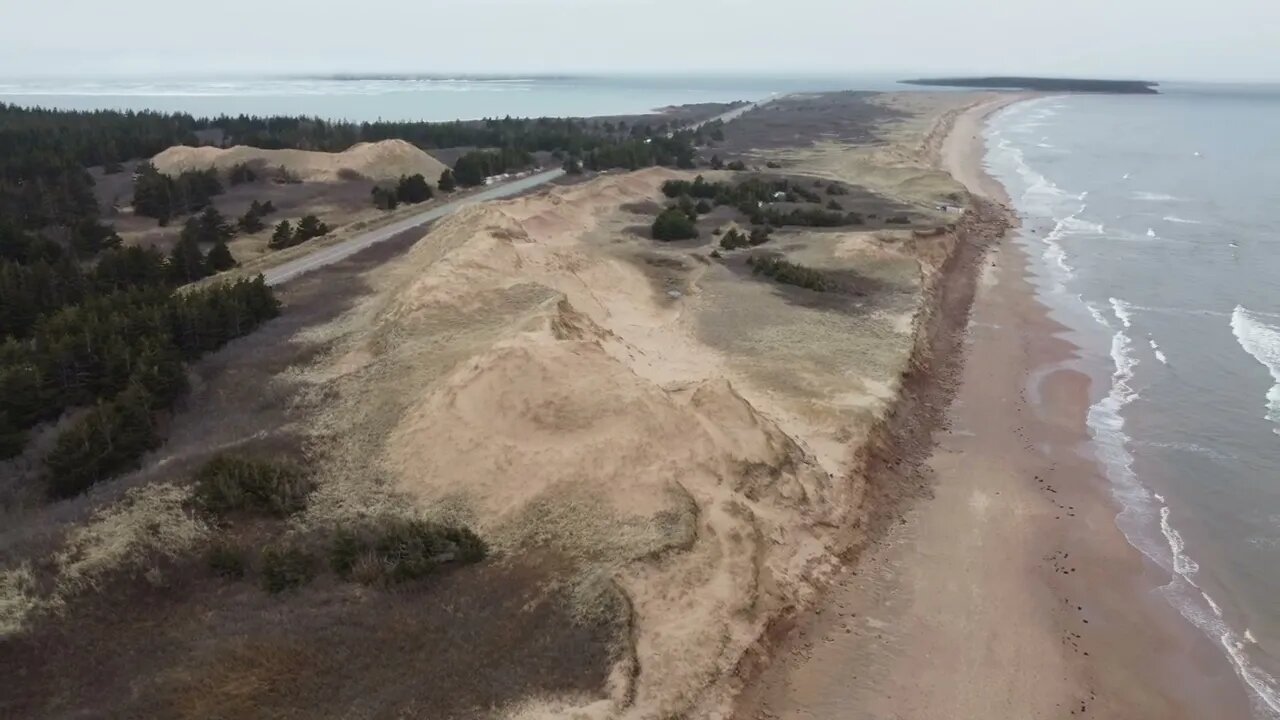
x: 113, y: 337
x: 44, y: 152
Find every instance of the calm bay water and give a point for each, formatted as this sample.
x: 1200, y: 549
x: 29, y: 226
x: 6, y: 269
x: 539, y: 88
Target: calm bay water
x: 413, y: 97
x: 1155, y: 227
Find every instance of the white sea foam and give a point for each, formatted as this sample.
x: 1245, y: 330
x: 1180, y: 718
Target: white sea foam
x: 1123, y: 311
x: 1106, y: 425
x: 1142, y: 510
x: 1055, y: 254
x: 1153, y: 196
x: 1262, y: 341
x: 1096, y: 312
x: 1151, y: 232
x: 1073, y: 225
x: 1182, y: 564
x: 1181, y: 592
x: 1181, y: 311
x: 1212, y: 605
x: 1155, y: 350
x: 1183, y: 221
x: 1191, y: 448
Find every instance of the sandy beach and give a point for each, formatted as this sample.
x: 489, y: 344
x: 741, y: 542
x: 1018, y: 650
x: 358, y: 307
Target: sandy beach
x: 1010, y: 593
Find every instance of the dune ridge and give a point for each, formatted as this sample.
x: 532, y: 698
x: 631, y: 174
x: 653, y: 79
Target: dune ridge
x: 383, y: 160
x: 519, y: 370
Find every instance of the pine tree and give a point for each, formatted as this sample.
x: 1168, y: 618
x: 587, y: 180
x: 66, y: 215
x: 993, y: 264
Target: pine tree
x: 108, y: 440
x: 186, y: 263
x: 251, y: 222
x: 447, y: 182
x: 214, y: 227
x: 413, y: 189
x: 310, y: 227
x: 220, y: 258
x: 384, y: 199
x: 282, y: 237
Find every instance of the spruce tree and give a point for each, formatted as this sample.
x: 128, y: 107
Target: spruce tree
x: 186, y: 263
x: 220, y: 258
x: 282, y: 237
x: 310, y: 227
x: 447, y: 182
x: 413, y: 189
x: 214, y: 227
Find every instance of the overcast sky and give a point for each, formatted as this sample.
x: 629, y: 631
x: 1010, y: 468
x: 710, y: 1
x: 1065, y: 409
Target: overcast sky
x: 1155, y: 39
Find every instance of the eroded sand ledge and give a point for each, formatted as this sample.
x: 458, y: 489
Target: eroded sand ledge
x: 1010, y: 592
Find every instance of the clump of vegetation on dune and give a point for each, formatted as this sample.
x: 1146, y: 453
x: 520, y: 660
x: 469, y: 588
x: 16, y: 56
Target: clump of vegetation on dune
x: 229, y: 484
x: 395, y: 550
x: 286, y: 566
x: 381, y: 551
x: 787, y: 272
x: 674, y: 223
x: 753, y: 197
x: 734, y: 239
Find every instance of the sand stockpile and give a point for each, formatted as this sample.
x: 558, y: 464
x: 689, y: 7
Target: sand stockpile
x: 520, y: 370
x: 385, y: 160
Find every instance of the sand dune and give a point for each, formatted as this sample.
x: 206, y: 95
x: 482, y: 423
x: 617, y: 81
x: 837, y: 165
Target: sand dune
x: 525, y: 368
x: 385, y: 160
x: 502, y: 372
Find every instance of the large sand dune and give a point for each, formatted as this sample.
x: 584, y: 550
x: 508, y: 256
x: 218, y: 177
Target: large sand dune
x: 385, y: 160
x: 669, y: 456
x: 526, y: 368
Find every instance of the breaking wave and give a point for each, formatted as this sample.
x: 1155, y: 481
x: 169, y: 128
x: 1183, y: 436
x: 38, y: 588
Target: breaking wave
x: 1262, y: 341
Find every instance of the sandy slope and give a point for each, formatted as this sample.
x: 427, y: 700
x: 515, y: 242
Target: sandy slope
x: 511, y: 372
x: 384, y: 160
x: 668, y: 425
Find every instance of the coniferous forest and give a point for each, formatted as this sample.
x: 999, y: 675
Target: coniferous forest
x: 92, y: 334
x: 96, y: 335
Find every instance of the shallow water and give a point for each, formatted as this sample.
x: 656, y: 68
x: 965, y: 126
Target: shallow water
x: 1154, y: 223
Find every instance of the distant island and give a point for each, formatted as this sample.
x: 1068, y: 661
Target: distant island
x: 1128, y: 87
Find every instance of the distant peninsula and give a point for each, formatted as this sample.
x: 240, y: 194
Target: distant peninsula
x: 1127, y: 87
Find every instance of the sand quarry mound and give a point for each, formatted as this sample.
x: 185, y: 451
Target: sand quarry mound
x: 520, y: 371
x: 385, y: 160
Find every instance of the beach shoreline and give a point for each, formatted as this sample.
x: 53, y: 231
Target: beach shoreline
x: 1011, y: 592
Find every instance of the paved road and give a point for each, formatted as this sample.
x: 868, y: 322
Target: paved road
x: 334, y: 253
x: 734, y: 113
x: 345, y: 249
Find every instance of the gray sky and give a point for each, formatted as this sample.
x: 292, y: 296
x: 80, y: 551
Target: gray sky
x: 1156, y: 39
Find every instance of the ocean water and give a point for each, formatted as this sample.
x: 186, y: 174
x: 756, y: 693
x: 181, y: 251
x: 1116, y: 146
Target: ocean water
x: 407, y: 97
x: 1154, y: 227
